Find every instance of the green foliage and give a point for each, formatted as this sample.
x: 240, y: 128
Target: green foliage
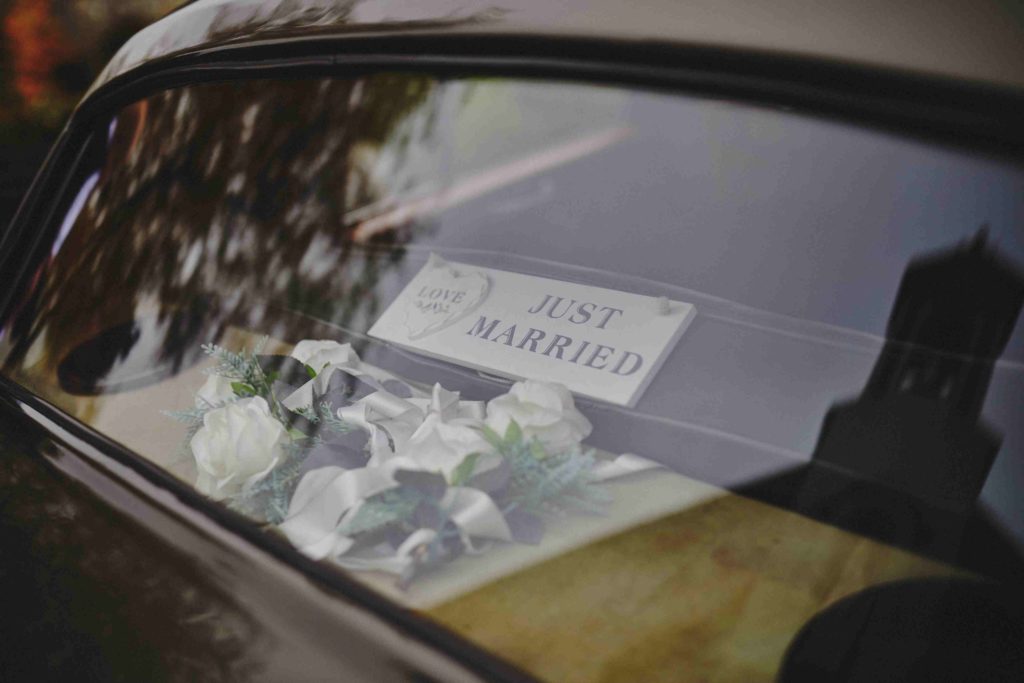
x: 492, y: 438
x: 268, y: 499
x: 193, y: 416
x: 193, y: 419
x: 465, y: 469
x: 324, y: 416
x: 330, y: 420
x: 513, y: 436
x: 545, y: 482
x: 385, y: 509
x: 240, y: 366
x: 247, y: 374
x: 308, y: 413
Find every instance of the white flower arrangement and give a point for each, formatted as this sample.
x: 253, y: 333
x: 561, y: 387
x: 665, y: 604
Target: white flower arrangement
x: 353, y: 464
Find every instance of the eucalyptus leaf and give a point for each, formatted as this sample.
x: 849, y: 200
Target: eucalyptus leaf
x: 465, y: 469
x: 492, y: 437
x: 513, y: 433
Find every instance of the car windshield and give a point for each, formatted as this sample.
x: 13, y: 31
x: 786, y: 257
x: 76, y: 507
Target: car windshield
x: 540, y: 359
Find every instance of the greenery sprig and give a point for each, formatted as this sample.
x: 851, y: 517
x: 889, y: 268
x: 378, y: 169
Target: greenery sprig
x: 543, y: 482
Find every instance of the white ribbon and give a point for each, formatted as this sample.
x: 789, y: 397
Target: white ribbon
x: 304, y: 395
x: 388, y: 419
x: 448, y: 405
x: 328, y: 496
x: 322, y: 497
x: 475, y: 514
x: 623, y: 465
x: 391, y: 421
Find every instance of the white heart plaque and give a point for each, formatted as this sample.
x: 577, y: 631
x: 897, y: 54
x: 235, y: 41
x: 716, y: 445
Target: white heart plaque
x: 441, y: 296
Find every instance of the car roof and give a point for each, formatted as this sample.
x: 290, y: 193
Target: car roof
x: 974, y: 40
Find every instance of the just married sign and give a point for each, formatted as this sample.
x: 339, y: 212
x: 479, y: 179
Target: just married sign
x: 599, y: 342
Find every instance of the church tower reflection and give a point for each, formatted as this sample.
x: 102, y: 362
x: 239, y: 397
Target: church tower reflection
x: 906, y: 461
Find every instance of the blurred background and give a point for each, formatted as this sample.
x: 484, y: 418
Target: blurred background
x: 50, y: 51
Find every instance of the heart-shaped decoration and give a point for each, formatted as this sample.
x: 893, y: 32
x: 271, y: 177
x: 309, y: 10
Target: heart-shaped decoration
x: 442, y: 296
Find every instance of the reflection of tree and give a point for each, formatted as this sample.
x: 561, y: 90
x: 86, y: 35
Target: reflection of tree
x: 256, y: 20
x: 218, y: 198
x: 288, y: 15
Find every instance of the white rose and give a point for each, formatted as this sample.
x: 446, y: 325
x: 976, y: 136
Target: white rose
x: 318, y: 354
x: 542, y: 409
x: 439, y: 446
x: 238, y: 444
x: 215, y: 391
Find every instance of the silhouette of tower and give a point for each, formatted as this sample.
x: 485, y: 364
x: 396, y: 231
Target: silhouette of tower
x: 952, y: 319
x: 907, y: 459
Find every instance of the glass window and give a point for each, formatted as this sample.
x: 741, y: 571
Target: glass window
x: 842, y: 402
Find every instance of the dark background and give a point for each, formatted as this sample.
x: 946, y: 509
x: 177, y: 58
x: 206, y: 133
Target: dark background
x: 50, y: 51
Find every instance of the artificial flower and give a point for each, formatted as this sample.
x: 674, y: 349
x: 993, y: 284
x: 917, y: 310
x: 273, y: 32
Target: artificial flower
x: 237, y: 445
x: 215, y: 391
x: 544, y: 410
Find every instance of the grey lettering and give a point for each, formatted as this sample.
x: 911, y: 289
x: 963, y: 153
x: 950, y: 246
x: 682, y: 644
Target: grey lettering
x: 554, y: 305
x: 579, y: 352
x: 600, y: 353
x: 611, y: 312
x: 532, y: 337
x: 482, y: 328
x: 584, y: 311
x: 637, y: 359
x: 508, y: 334
x: 539, y: 307
x: 558, y: 344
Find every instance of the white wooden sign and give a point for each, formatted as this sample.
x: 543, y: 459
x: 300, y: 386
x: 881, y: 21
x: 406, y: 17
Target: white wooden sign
x: 599, y: 342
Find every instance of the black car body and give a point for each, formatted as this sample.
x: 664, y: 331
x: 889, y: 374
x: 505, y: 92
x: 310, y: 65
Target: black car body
x: 113, y: 568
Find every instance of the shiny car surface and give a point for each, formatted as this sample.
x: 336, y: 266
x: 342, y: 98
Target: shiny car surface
x: 232, y: 449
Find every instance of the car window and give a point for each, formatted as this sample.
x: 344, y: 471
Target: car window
x: 532, y: 357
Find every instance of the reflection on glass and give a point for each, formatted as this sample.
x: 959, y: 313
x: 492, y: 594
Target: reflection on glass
x: 916, y: 427
x: 235, y: 242
x: 906, y: 461
x: 209, y: 215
